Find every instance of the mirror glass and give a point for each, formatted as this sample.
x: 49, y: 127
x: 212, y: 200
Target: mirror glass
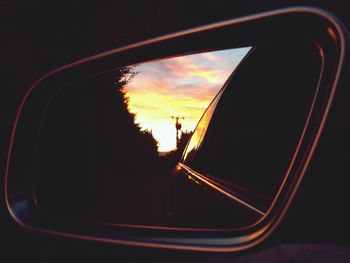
x: 112, y: 147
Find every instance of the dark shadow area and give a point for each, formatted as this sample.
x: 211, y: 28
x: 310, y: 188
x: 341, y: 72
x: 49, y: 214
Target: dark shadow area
x: 245, y: 142
x: 94, y: 162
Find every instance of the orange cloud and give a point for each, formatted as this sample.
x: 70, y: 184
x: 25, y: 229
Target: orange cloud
x: 182, y: 86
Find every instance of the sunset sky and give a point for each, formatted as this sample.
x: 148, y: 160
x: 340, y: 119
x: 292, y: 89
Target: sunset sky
x: 179, y: 86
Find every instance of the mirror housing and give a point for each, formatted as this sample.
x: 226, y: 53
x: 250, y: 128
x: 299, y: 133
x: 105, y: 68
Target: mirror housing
x: 308, y: 24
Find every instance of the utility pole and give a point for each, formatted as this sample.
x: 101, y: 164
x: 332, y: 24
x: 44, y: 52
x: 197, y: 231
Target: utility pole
x: 178, y: 127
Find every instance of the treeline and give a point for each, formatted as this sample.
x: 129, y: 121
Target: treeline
x: 89, y: 144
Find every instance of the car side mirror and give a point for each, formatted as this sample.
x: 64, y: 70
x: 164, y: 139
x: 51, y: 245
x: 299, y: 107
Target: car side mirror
x: 87, y: 158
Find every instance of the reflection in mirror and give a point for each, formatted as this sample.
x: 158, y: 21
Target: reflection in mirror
x: 108, y: 143
x: 242, y: 148
x: 112, y: 147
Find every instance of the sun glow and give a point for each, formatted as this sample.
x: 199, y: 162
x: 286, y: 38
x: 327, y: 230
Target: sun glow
x: 180, y: 86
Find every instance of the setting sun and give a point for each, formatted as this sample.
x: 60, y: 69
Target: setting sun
x: 180, y: 86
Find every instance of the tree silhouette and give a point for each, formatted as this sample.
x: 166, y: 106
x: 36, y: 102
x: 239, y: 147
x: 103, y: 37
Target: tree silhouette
x: 89, y: 145
x: 126, y: 143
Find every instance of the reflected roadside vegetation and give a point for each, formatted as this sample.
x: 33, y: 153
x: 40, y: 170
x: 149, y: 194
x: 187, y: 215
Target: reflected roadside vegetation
x: 110, y: 142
